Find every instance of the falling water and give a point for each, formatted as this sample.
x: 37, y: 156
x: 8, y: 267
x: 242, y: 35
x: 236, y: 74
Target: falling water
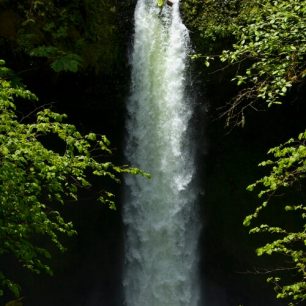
x: 160, y: 214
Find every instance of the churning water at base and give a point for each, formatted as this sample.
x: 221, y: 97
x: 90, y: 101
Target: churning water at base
x: 160, y: 214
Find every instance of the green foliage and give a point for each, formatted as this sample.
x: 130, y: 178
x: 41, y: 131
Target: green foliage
x: 60, y: 61
x: 214, y: 20
x: 69, y: 35
x: 272, y: 39
x: 266, y: 48
x: 69, y: 62
x: 269, y: 52
x: 288, y: 169
x: 35, y: 179
x: 52, y: 31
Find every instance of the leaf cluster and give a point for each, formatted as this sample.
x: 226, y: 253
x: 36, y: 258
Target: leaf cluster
x: 288, y: 169
x: 68, y: 35
x: 273, y: 40
x: 264, y: 41
x: 35, y: 179
x: 213, y: 20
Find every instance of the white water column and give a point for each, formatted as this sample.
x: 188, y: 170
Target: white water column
x: 160, y: 214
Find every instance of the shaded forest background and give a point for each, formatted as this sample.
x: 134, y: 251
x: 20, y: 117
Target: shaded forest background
x: 74, y: 55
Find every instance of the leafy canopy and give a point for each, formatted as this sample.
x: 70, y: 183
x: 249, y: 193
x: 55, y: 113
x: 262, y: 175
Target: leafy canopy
x: 266, y: 43
x: 35, y: 179
x: 288, y: 170
x: 268, y: 53
x: 273, y: 42
x: 66, y: 35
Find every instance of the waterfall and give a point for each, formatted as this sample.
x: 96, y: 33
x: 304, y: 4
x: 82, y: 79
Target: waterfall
x: 160, y: 213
